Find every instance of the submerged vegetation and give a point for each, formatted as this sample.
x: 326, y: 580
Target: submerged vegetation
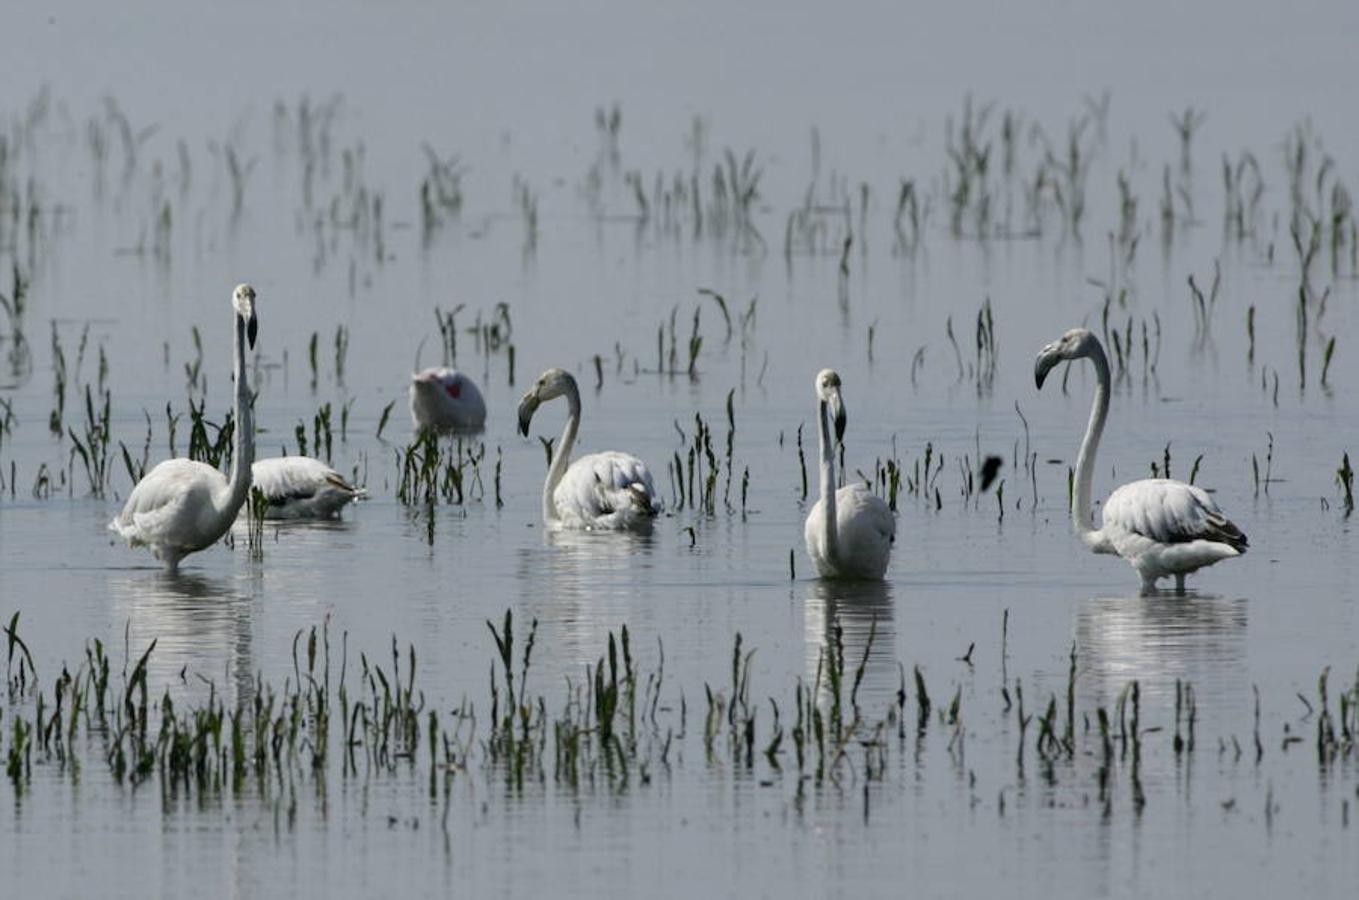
x: 620, y: 726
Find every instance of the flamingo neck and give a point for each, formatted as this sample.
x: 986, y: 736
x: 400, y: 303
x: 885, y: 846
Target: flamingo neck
x: 561, y: 457
x: 1082, y: 518
x: 243, y: 440
x: 828, y: 512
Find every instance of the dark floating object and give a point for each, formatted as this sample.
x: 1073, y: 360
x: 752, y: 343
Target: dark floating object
x: 989, y: 470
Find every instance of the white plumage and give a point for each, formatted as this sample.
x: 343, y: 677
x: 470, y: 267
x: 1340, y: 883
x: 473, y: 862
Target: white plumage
x: 850, y: 531
x: 299, y: 487
x: 182, y: 506
x: 446, y: 400
x: 1161, y: 527
x: 608, y: 490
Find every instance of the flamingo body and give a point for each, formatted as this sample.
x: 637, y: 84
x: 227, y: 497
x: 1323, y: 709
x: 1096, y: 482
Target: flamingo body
x: 609, y: 490
x: 446, y: 400
x: 866, y: 532
x: 300, y: 487
x: 1168, y: 528
x: 174, y: 510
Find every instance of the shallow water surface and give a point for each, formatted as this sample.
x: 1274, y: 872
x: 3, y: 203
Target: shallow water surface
x: 1214, y: 779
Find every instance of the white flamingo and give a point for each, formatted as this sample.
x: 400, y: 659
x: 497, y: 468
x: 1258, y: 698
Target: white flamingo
x: 182, y: 506
x: 446, y: 400
x: 607, y: 490
x: 300, y: 487
x: 1162, y: 527
x: 849, y: 532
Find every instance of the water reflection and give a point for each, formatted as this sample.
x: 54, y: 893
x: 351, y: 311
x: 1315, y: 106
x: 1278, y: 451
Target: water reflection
x: 309, y: 530
x: 200, y: 623
x: 862, y: 610
x: 1156, y: 640
x: 584, y: 584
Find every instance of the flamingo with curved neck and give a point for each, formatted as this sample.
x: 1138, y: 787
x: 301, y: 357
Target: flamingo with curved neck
x: 1162, y: 527
x: 607, y: 490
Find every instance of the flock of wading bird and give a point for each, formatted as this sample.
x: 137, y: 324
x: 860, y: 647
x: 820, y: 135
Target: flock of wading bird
x: 1163, y: 528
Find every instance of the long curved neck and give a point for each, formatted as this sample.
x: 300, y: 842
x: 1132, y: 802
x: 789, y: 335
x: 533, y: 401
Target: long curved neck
x: 243, y: 440
x: 561, y: 458
x: 1081, y: 517
x: 828, y: 512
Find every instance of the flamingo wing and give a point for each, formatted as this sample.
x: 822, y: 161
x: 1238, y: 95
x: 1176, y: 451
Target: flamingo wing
x: 297, y: 477
x: 1171, y: 512
x: 607, y: 490
x: 302, y: 487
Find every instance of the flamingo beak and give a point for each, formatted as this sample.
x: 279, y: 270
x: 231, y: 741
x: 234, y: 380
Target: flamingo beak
x: 527, y: 407
x: 243, y: 301
x: 837, y: 408
x: 1047, y: 358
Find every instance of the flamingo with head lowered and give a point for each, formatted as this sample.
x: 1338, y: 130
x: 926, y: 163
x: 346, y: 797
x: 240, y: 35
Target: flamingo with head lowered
x: 446, y: 400
x: 300, y: 487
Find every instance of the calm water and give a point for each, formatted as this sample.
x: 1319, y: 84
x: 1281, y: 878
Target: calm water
x: 518, y: 105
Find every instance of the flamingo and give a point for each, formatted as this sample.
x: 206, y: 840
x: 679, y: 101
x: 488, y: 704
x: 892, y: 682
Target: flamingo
x: 300, y: 487
x: 1160, y: 526
x: 446, y: 400
x: 182, y: 506
x: 609, y: 491
x: 849, y: 532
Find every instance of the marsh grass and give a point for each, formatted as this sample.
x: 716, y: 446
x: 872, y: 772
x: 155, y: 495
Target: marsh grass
x: 1344, y: 479
x: 436, y: 469
x: 612, y: 730
x: 93, y: 450
x: 209, y: 442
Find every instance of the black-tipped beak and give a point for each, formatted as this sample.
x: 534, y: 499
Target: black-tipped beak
x: 527, y: 407
x: 837, y: 409
x: 1042, y: 366
x: 251, y: 329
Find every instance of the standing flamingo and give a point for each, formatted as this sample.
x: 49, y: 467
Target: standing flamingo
x: 607, y: 490
x: 1161, y: 527
x: 182, y: 506
x: 849, y: 532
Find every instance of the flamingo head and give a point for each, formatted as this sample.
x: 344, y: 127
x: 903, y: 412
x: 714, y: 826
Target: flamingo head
x: 1074, y: 344
x: 243, y: 300
x: 828, y: 393
x: 551, y: 384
